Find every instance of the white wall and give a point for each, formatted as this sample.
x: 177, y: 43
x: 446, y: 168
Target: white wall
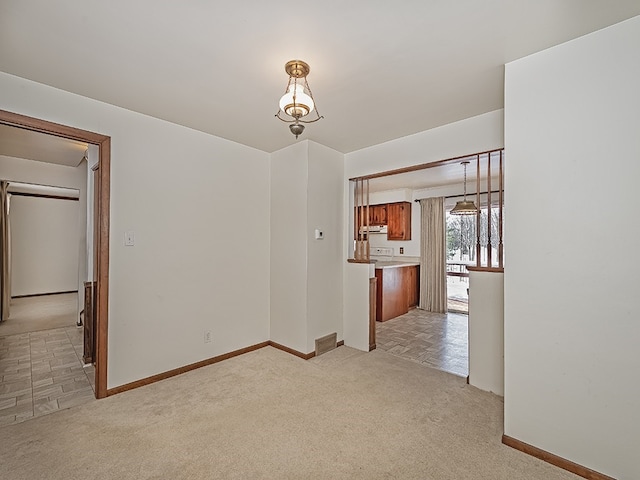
x: 571, y: 321
x: 472, y: 135
x: 289, y: 174
x: 306, y: 283
x: 356, y: 304
x: 44, y: 245
x: 476, y: 134
x: 199, y: 208
x: 325, y: 260
x: 486, y: 331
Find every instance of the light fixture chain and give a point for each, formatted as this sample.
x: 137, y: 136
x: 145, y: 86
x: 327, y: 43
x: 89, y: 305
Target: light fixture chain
x: 465, y: 182
x: 306, y: 84
x: 295, y: 93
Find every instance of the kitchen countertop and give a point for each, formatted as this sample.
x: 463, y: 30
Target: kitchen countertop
x: 395, y: 264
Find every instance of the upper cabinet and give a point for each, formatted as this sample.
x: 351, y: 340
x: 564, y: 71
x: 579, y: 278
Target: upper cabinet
x: 399, y: 221
x: 397, y: 217
x: 378, y: 215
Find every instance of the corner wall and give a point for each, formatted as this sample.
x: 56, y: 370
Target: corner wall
x: 199, y: 208
x: 288, y: 230
x: 325, y: 211
x: 306, y: 283
x: 571, y: 321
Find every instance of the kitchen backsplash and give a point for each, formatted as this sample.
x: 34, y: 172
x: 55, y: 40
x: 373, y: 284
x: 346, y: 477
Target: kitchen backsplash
x: 390, y: 253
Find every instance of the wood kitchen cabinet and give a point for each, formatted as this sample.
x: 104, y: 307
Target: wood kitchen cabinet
x: 399, y: 221
x: 377, y: 214
x: 412, y: 278
x: 397, y: 217
x: 398, y: 290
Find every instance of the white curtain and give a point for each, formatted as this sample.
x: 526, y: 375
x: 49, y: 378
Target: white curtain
x: 433, y: 256
x: 5, y: 252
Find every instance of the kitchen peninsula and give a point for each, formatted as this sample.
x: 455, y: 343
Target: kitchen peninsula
x: 398, y: 288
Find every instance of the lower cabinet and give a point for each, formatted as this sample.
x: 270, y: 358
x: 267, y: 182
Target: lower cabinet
x: 412, y: 278
x: 398, y: 290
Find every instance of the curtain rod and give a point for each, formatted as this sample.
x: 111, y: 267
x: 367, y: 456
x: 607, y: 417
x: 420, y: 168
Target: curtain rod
x: 457, y: 196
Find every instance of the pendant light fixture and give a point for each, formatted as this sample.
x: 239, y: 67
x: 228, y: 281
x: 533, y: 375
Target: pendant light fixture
x: 297, y: 102
x: 464, y: 207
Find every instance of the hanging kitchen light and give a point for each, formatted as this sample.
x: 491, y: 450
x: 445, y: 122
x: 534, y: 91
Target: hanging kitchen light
x: 464, y: 207
x: 297, y: 102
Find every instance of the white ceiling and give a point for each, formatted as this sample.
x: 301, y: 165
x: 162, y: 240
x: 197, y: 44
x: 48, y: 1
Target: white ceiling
x: 451, y: 173
x: 22, y: 143
x: 379, y: 70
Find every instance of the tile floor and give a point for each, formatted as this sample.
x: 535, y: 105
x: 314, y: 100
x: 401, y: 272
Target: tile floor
x: 438, y: 340
x: 42, y: 372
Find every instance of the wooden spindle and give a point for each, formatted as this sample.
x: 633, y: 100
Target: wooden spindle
x: 489, y: 261
x: 500, y: 199
x: 478, y: 246
x: 367, y: 244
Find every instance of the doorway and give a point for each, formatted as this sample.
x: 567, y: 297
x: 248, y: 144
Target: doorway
x: 101, y: 230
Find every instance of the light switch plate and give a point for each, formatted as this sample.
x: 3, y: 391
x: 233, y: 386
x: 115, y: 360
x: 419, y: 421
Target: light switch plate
x: 319, y: 234
x: 129, y: 239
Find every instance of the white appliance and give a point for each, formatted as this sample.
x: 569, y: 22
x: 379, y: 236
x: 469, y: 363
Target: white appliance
x: 373, y: 229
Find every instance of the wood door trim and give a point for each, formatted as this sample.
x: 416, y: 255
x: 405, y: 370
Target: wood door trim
x: 423, y: 166
x: 102, y: 322
x: 104, y: 144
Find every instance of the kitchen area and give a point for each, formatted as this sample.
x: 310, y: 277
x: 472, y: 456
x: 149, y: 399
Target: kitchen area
x: 395, y: 256
x: 397, y: 326
x: 398, y: 285
x: 385, y: 266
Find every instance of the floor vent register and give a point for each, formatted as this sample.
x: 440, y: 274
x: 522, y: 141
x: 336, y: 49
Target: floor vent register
x: 326, y: 343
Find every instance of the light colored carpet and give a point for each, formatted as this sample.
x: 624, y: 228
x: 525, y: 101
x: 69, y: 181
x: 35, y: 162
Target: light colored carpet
x: 44, y: 312
x: 270, y: 415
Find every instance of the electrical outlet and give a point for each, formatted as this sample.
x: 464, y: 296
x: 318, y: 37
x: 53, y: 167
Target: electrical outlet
x: 207, y: 336
x: 401, y: 250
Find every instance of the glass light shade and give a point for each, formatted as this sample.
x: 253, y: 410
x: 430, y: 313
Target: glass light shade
x: 304, y: 103
x: 464, y: 207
